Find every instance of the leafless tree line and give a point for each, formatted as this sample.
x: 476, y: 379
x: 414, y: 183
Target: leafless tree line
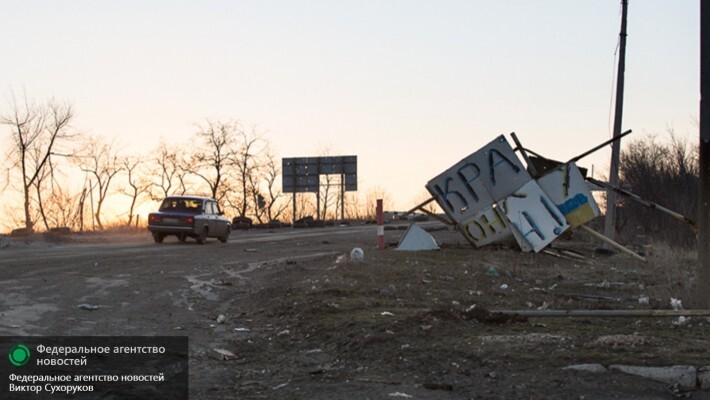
x: 222, y: 160
x: 665, y: 173
x: 48, y: 157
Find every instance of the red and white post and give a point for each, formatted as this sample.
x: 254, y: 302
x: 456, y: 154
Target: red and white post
x: 380, y: 226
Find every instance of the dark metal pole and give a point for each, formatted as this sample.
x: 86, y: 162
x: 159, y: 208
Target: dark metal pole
x: 704, y: 153
x: 610, y: 219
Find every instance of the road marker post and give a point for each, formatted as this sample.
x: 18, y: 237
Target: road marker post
x: 380, y: 226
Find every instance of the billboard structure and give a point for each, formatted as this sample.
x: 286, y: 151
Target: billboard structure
x: 303, y: 175
x: 491, y: 196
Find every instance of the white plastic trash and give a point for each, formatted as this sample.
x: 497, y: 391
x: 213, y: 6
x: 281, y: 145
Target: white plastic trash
x: 357, y: 254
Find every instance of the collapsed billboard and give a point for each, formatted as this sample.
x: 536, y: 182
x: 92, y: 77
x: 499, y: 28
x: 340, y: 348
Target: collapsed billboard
x: 491, y: 196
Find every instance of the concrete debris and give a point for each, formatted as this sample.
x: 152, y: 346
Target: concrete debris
x: 683, y: 375
x: 225, y: 355
x: 704, y: 377
x: 593, y: 368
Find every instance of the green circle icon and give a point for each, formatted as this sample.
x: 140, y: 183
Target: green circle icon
x: 19, y: 355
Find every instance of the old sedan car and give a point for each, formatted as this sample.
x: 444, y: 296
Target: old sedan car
x: 189, y: 216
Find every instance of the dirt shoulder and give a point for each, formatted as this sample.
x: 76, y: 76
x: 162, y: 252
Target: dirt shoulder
x: 304, y: 321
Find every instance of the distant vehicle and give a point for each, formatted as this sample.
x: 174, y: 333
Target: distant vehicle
x: 242, y: 223
x: 188, y: 216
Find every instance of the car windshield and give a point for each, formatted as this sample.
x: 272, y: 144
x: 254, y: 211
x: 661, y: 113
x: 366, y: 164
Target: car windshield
x: 192, y: 206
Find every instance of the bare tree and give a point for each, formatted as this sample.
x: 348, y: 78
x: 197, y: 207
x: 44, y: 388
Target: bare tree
x: 101, y: 161
x: 137, y: 187
x: 63, y: 208
x: 37, y: 133
x: 273, y: 207
x: 213, y: 159
x: 251, y: 146
x: 169, y: 174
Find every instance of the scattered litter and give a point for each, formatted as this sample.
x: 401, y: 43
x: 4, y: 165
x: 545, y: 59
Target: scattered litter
x: 277, y: 387
x: 357, y: 254
x: 226, y: 355
x: 400, y: 394
x: 89, y: 307
x: 177, y: 328
x: 504, y: 286
x: 221, y: 318
x: 492, y: 271
x: 681, y: 321
x: 283, y: 332
x: 341, y: 259
x: 676, y: 304
x: 241, y: 329
x: 387, y: 314
x: 643, y: 299
x: 545, y: 305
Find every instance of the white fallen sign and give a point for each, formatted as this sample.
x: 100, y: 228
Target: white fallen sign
x: 417, y: 239
x: 534, y: 218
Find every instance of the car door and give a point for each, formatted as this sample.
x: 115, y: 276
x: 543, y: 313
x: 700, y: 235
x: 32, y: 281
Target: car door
x: 221, y: 223
x: 217, y: 227
x: 210, y: 216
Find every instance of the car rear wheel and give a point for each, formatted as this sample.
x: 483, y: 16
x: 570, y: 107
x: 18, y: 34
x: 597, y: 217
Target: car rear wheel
x: 203, y: 236
x: 158, y: 237
x: 224, y: 238
x: 182, y: 237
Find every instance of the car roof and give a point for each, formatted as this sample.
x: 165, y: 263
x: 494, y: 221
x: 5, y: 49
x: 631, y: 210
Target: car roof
x: 189, y: 198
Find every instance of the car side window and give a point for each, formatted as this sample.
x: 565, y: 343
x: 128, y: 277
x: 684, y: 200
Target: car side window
x: 208, y: 208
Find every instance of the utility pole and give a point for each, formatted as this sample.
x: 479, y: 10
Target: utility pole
x: 610, y: 219
x: 704, y: 152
